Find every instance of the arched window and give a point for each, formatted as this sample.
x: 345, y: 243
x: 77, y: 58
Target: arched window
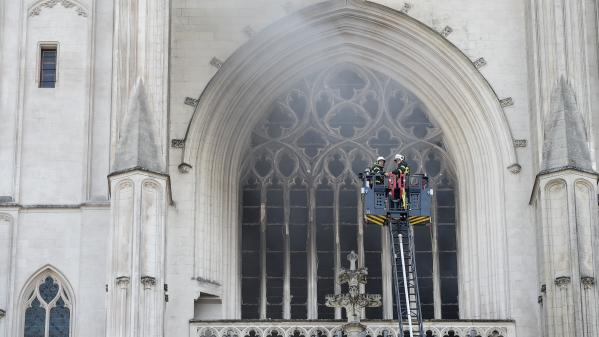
x: 47, y: 307
x: 301, y: 196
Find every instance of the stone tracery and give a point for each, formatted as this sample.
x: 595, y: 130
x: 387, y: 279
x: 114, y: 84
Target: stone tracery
x: 300, y: 180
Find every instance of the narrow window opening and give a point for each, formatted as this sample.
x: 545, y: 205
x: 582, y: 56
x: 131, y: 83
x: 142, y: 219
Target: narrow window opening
x: 47, y: 74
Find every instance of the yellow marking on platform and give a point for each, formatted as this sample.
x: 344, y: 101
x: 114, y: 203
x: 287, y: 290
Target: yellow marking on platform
x: 418, y: 220
x: 376, y: 219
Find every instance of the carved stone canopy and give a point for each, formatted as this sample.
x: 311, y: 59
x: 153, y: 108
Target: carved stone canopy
x: 138, y: 143
x: 566, y: 141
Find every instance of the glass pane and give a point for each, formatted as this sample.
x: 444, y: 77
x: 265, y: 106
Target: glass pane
x: 275, y: 242
x: 250, y: 311
x: 250, y: 237
x: 372, y: 238
x: 47, y: 84
x: 274, y: 264
x: 47, y: 68
x: 448, y: 264
x: 299, y: 290
x: 48, y: 289
x: 449, y: 290
x: 447, y: 238
x: 450, y: 311
x: 299, y: 311
x: 251, y: 198
x: 250, y: 293
x: 251, y: 264
x: 59, y: 320
x: 298, y: 215
x: 35, y: 320
x: 348, y: 237
x: 274, y: 215
x: 251, y: 215
x: 298, y: 198
x: 274, y: 290
x: 274, y: 311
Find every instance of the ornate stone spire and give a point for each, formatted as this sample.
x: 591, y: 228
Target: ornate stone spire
x: 566, y: 143
x: 137, y: 145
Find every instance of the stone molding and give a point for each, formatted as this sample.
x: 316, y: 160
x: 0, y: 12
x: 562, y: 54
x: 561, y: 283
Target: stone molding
x: 240, y: 97
x: 148, y: 282
x: 122, y: 282
x: 331, y: 328
x: 562, y: 281
x: 37, y: 8
x: 587, y: 282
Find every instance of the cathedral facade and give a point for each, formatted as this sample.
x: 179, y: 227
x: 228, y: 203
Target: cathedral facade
x: 210, y: 183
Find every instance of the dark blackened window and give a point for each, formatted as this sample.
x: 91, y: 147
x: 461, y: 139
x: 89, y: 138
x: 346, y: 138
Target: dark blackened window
x: 48, y: 57
x: 301, y: 197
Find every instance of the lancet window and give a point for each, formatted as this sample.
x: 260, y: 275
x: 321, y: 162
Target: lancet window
x: 47, y: 308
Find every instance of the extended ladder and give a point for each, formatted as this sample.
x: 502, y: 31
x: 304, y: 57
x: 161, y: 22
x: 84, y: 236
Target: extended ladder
x: 399, y: 219
x: 407, y: 297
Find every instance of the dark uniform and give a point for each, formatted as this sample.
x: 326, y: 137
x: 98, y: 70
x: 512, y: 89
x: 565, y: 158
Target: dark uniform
x: 402, y: 169
x: 379, y: 172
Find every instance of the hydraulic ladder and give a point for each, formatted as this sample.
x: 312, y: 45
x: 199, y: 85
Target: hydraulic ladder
x: 399, y: 219
x: 407, y: 297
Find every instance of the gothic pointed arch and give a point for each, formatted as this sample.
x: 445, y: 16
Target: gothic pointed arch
x: 458, y: 97
x: 46, y: 305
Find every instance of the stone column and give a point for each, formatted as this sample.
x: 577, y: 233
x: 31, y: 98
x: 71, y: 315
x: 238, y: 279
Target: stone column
x: 137, y: 268
x: 139, y: 183
x: 565, y: 197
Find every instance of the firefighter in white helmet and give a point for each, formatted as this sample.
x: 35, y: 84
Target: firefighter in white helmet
x: 400, y: 165
x: 378, y: 169
x: 398, y: 193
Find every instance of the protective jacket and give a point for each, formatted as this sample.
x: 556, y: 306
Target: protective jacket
x: 401, y: 168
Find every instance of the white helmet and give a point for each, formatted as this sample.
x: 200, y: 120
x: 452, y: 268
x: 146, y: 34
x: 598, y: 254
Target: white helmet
x: 399, y: 157
x: 380, y: 158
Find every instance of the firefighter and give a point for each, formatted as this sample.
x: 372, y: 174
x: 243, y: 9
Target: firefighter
x: 400, y: 165
x: 398, y: 194
x: 378, y: 170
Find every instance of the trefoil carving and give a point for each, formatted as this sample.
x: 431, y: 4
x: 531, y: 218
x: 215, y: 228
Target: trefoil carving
x: 51, y: 3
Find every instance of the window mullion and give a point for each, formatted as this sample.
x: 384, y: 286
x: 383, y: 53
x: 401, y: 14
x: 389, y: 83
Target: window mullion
x: 286, y: 248
x: 435, y: 253
x: 47, y: 325
x: 360, y: 224
x: 312, y: 266
x: 387, y: 274
x: 263, y: 251
x: 336, y: 187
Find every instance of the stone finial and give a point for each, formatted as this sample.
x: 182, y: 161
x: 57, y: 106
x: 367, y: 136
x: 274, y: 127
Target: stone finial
x: 566, y: 142
x: 138, y: 142
x: 354, y: 300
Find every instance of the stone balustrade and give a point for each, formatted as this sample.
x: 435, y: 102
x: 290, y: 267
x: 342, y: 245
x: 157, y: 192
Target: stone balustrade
x: 332, y: 328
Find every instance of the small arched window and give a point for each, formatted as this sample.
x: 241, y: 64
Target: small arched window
x: 47, y: 307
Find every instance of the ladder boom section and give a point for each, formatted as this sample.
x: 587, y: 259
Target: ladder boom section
x: 399, y: 202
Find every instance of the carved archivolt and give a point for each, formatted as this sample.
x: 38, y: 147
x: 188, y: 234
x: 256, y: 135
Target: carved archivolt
x: 37, y: 8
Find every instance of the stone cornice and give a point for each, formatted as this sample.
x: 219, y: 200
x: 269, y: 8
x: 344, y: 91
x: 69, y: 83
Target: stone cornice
x: 146, y: 171
x: 557, y: 170
x: 91, y: 204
